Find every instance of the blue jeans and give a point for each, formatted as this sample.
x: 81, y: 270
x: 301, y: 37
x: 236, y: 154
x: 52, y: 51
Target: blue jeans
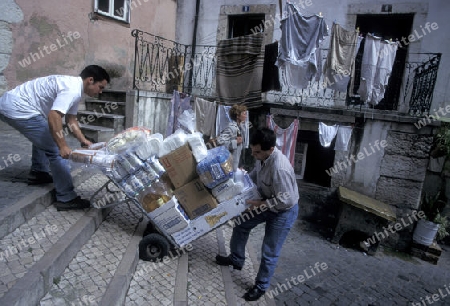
x: 45, y: 154
x: 277, y: 228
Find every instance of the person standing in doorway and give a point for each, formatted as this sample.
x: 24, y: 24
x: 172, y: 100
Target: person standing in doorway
x: 36, y: 109
x: 232, y: 136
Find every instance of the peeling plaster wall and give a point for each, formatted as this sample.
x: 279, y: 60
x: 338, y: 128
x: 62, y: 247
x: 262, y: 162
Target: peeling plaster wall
x: 59, y: 38
x: 10, y: 13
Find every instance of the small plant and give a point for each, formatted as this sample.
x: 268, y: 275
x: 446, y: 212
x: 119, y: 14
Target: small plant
x: 432, y: 206
x: 442, y: 142
x: 444, y: 225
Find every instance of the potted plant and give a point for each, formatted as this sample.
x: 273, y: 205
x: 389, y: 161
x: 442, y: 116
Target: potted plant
x: 441, y: 144
x: 434, y: 225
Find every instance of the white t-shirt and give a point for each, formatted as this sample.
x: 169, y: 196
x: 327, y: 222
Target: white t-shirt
x: 39, y: 96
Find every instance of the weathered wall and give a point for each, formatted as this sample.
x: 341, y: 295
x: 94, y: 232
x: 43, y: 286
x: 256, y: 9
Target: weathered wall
x: 56, y: 38
x: 149, y: 109
x: 10, y: 13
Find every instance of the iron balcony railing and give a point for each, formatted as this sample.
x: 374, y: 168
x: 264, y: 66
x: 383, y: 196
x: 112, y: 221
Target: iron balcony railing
x: 163, y: 65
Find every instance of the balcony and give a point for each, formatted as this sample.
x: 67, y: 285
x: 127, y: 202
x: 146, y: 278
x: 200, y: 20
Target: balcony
x: 163, y: 65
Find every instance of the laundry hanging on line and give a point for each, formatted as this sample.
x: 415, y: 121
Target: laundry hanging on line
x: 339, y: 65
x: 300, y: 60
x: 239, y: 70
x: 286, y: 138
x: 327, y: 133
x: 205, y: 116
x: 180, y: 103
x: 378, y: 60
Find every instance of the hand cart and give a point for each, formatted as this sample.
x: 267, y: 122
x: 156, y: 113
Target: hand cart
x: 133, y: 170
x: 158, y: 241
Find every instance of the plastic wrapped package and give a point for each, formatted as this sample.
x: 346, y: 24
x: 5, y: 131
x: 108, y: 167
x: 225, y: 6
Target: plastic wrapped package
x: 125, y: 164
x: 97, y: 146
x: 153, y: 165
x: 198, y: 147
x: 93, y: 157
x: 152, y: 146
x: 173, y: 142
x: 127, y: 139
x: 216, y: 167
x: 227, y: 190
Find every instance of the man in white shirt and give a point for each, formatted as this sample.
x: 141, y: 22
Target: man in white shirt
x: 36, y: 109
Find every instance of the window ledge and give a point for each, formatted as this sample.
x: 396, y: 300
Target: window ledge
x: 93, y: 16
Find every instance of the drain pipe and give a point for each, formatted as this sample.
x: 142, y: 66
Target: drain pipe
x: 194, y: 41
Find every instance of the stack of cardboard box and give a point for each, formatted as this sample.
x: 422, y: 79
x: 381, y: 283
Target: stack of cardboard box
x: 202, y: 211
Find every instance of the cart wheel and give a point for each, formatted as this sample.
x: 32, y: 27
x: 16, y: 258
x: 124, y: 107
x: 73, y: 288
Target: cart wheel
x: 153, y: 247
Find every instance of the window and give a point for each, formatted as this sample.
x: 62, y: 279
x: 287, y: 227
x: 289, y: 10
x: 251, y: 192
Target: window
x: 117, y: 9
x: 240, y: 25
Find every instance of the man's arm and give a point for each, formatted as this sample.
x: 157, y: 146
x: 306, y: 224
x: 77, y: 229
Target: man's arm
x: 72, y: 122
x: 56, y: 130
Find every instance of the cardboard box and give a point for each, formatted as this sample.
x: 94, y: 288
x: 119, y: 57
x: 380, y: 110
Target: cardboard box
x: 195, y: 198
x: 214, y: 218
x: 170, y: 217
x: 180, y: 166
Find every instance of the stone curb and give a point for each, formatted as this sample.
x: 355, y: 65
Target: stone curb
x: 33, y: 286
x: 26, y: 208
x: 230, y: 294
x: 117, y: 289
x: 180, y: 297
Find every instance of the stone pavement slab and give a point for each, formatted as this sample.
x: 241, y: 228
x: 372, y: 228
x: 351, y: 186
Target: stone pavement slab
x: 352, y: 277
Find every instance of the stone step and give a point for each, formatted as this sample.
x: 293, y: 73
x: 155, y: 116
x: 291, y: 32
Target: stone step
x: 105, y: 107
x: 112, y: 121
x: 97, y: 133
x: 36, y: 253
x: 102, y: 268
x: 113, y: 95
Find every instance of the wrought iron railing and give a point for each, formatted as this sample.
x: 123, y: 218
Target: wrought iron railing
x: 164, y: 65
x: 419, y: 86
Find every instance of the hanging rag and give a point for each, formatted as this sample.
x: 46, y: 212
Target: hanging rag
x: 341, y: 56
x: 271, y: 78
x: 344, y: 133
x: 385, y: 63
x: 205, y: 116
x: 180, y: 103
x: 286, y: 138
x: 376, y: 68
x: 239, y: 70
x: 299, y: 56
x: 327, y: 133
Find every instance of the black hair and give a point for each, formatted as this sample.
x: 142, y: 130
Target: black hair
x: 98, y: 73
x: 264, y: 137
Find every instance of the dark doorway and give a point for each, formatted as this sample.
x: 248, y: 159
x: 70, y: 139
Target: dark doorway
x: 395, y: 27
x: 318, y: 159
x: 241, y: 25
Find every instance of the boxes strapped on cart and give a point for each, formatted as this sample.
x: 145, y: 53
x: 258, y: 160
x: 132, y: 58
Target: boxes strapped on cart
x: 183, y: 188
